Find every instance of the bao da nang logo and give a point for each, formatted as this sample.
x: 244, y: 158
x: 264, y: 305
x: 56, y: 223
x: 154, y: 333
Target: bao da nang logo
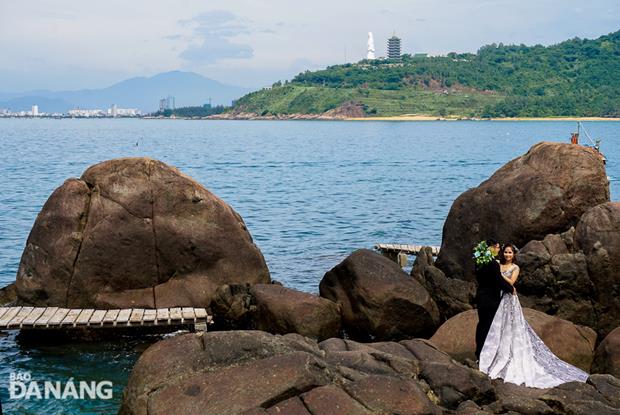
x: 23, y: 386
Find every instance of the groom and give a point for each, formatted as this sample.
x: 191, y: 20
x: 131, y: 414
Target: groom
x: 491, y: 286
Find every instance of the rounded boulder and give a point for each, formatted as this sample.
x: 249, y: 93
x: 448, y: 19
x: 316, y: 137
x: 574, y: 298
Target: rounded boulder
x: 379, y: 301
x: 541, y: 192
x: 135, y: 232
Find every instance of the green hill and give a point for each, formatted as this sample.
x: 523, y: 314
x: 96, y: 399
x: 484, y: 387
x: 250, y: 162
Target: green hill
x: 578, y: 77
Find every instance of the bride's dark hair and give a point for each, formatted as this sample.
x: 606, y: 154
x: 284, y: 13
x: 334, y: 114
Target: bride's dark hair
x: 502, y: 258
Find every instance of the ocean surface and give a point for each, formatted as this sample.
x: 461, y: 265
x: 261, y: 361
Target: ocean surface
x: 310, y: 192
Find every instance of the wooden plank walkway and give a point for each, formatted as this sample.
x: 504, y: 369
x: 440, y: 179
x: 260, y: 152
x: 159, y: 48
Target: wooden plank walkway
x: 405, y: 249
x: 53, y: 317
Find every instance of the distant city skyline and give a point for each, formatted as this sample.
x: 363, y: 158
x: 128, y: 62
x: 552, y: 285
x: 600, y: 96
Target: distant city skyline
x: 66, y: 44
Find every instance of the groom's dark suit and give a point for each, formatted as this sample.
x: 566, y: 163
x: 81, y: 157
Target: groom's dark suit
x: 491, y: 286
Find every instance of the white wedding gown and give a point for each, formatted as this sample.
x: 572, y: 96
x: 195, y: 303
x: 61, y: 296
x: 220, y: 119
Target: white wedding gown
x: 513, y: 352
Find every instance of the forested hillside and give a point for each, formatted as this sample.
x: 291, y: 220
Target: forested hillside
x: 578, y: 77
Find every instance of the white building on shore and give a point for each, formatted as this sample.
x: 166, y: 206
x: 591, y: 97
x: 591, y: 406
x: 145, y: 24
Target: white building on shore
x: 114, y: 111
x: 86, y: 113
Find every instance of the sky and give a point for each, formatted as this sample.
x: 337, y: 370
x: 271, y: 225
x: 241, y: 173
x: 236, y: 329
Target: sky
x: 69, y: 44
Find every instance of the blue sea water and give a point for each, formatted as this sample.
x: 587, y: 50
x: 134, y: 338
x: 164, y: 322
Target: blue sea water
x: 310, y: 193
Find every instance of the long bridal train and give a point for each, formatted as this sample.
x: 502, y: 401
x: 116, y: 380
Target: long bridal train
x: 513, y: 352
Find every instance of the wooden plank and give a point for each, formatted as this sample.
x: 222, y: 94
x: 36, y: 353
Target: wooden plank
x: 4, y: 310
x: 97, y: 318
x: 19, y: 317
x: 84, y: 317
x: 201, y: 313
x: 175, y: 314
x: 8, y: 316
x: 163, y: 316
x: 136, y: 316
x: 71, y: 316
x: 33, y: 316
x: 123, y: 316
x: 47, y: 314
x: 110, y: 317
x: 188, y: 314
x: 57, y: 318
x: 149, y: 317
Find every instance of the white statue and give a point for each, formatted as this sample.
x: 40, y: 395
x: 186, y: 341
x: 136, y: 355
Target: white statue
x: 371, y: 47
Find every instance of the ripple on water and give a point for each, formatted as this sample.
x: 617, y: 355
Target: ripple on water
x: 310, y: 194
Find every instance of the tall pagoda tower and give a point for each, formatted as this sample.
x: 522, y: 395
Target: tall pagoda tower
x: 393, y: 47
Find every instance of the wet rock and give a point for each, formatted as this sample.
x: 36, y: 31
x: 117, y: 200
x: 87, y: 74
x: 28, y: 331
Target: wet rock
x: 561, y: 181
x: 232, y: 307
x: 570, y: 342
x: 135, y: 233
x: 8, y: 295
x: 378, y: 300
x: 607, y: 356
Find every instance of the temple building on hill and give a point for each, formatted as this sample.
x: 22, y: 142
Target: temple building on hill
x: 393, y: 47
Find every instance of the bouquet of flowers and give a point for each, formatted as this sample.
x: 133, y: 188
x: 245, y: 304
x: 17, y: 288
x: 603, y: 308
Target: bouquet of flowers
x: 482, y: 254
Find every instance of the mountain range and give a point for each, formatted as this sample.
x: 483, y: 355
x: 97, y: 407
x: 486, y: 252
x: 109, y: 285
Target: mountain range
x: 144, y: 93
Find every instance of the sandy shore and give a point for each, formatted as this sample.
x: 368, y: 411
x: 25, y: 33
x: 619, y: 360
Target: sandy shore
x: 414, y: 117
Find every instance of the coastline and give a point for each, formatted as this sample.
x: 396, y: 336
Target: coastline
x: 403, y: 117
x: 324, y: 117
x: 413, y: 117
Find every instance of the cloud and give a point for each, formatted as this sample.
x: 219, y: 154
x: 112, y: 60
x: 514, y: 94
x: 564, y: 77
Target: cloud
x: 173, y: 37
x: 213, y: 49
x: 212, y: 32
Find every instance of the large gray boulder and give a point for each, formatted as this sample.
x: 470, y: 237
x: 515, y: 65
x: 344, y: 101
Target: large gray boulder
x: 378, y: 300
x: 544, y: 191
x: 135, y: 232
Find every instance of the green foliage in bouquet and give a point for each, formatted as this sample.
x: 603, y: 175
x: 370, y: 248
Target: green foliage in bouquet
x: 482, y: 254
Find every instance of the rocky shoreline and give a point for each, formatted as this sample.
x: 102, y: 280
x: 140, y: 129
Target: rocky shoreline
x: 375, y: 339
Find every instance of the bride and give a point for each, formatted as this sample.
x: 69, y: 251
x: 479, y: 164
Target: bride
x: 512, y: 351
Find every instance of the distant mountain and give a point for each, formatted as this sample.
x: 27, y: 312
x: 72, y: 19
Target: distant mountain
x: 144, y: 93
